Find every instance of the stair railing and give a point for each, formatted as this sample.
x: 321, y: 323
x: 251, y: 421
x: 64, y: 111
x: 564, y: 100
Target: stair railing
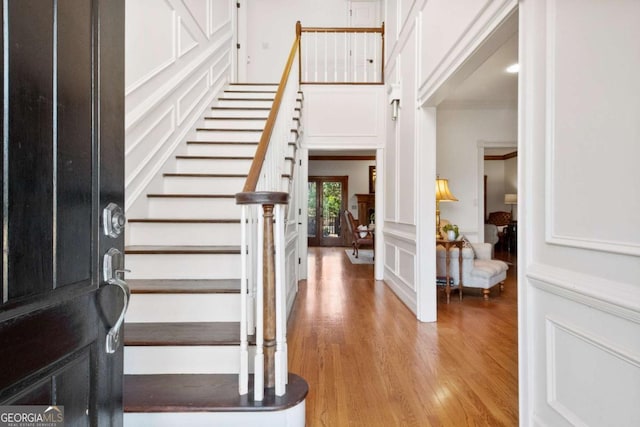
x: 342, y: 55
x: 264, y: 200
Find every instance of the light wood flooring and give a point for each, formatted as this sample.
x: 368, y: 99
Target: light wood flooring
x: 369, y: 362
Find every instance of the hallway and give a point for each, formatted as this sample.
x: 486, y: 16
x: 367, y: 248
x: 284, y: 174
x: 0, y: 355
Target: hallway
x: 369, y: 362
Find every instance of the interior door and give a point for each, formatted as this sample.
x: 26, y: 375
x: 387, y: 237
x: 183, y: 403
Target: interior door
x: 63, y: 139
x: 365, y: 49
x: 327, y: 202
x: 579, y: 287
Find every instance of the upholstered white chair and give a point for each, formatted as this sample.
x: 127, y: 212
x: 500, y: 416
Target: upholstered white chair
x: 478, y: 269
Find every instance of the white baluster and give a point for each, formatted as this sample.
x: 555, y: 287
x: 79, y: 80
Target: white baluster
x: 335, y: 57
x: 243, y: 386
x: 346, y: 57
x: 375, y: 58
x: 364, y: 54
x: 315, y: 56
x: 281, y: 324
x: 258, y: 376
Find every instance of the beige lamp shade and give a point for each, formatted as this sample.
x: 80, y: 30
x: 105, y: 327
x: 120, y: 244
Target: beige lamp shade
x: 443, y: 194
x: 510, y: 199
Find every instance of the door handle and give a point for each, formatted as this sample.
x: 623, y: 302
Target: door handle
x: 112, y: 258
x: 113, y: 337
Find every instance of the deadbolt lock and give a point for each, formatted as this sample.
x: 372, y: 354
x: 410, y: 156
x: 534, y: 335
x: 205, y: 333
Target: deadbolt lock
x: 113, y: 220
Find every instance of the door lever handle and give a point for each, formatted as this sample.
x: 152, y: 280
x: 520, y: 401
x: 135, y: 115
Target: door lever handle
x: 113, y: 337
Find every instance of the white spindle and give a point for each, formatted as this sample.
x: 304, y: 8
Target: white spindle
x: 346, y: 57
x: 251, y: 272
x: 243, y: 386
x: 326, y: 76
x: 364, y: 55
x: 335, y: 57
x: 281, y: 324
x: 315, y: 56
x: 375, y: 58
x: 355, y: 56
x: 259, y: 358
x: 306, y: 57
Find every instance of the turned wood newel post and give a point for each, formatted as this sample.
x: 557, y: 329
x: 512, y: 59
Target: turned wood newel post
x: 269, y: 302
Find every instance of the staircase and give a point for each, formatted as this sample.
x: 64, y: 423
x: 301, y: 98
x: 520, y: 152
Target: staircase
x: 182, y: 330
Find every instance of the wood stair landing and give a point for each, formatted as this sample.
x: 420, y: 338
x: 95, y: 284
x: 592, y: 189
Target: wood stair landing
x: 204, y: 393
x: 181, y: 286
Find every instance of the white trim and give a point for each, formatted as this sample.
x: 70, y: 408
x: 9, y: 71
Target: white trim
x: 616, y: 298
x: 151, y: 74
x: 401, y: 289
x: 182, y: 52
x: 159, y: 95
x: 146, y: 133
x: 206, y: 77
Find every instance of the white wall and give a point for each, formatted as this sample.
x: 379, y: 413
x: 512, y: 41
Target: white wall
x: 356, y: 170
x: 271, y: 29
x: 459, y: 132
x: 177, y: 57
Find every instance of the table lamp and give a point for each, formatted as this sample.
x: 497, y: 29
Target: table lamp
x: 442, y: 195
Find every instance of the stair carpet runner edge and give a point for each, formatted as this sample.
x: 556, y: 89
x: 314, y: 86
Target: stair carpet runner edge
x: 174, y: 234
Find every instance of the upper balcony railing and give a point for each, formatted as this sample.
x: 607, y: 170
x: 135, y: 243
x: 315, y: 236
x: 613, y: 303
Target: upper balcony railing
x: 350, y: 55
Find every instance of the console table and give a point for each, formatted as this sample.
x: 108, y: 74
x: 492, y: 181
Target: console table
x: 448, y: 287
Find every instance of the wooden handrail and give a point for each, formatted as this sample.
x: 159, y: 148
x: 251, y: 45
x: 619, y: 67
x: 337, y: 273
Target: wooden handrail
x: 261, y: 152
x: 343, y: 29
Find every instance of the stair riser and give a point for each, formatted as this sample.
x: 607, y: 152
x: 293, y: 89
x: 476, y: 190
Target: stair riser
x: 244, y: 104
x: 245, y: 94
x: 204, y: 185
x: 291, y: 417
x: 145, y: 308
x: 237, y: 113
x: 199, y: 208
x: 183, y: 266
x: 144, y: 233
x: 233, y: 124
x: 144, y: 360
x: 233, y: 136
x: 213, y: 165
x: 229, y: 150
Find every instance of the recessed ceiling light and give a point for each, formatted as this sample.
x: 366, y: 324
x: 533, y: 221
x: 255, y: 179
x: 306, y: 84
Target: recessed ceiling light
x: 514, y: 68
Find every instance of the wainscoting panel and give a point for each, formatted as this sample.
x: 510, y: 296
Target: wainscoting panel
x: 608, y: 137
x: 344, y: 115
x: 171, y: 78
x: 581, y: 360
x: 400, y: 264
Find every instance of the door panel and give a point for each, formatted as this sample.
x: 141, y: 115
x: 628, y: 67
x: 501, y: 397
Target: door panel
x: 63, y: 141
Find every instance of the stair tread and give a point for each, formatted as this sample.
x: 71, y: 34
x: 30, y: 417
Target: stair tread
x: 250, y: 91
x: 187, y: 157
x: 242, y: 108
x: 228, y: 130
x: 184, y: 286
x: 204, y: 393
x: 193, y: 196
x: 183, y: 334
x: 224, y: 98
x: 206, y: 175
x: 236, y: 118
x: 187, y: 250
x: 185, y: 220
x: 225, y: 142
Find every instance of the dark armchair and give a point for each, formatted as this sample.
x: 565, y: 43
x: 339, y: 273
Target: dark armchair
x: 501, y: 220
x: 356, y: 239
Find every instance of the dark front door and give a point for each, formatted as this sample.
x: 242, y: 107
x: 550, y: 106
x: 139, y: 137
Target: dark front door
x: 62, y: 164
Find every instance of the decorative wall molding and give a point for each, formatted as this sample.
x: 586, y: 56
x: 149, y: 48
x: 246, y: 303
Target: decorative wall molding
x: 171, y: 59
x: 401, y: 289
x: 186, y: 39
x: 191, y: 6
x: 167, y: 115
x: 192, y: 96
x: 619, y: 299
x: 153, y: 151
x: 552, y: 232
x: 176, y: 80
x: 407, y: 268
x: 555, y: 329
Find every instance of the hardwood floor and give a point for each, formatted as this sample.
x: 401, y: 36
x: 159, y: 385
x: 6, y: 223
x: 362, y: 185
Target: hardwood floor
x: 369, y: 362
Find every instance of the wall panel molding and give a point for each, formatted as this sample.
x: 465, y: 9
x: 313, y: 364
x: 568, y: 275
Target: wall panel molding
x: 619, y: 299
x: 561, y: 191
x: 186, y: 40
x: 564, y: 373
x: 192, y: 96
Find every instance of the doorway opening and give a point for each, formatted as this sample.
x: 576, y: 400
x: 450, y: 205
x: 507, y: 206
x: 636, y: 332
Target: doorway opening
x: 327, y: 202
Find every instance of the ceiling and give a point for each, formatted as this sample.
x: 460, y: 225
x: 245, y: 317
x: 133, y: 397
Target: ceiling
x: 490, y: 84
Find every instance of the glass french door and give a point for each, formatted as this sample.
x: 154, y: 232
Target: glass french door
x: 326, y: 205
